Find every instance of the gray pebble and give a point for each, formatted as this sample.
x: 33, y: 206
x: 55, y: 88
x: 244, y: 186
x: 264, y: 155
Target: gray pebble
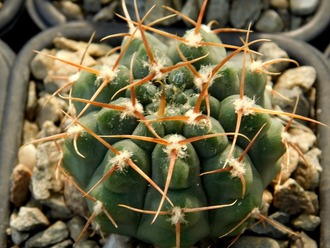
x: 218, y: 10
x: 303, y: 76
x: 286, y: 18
x: 308, y: 176
x: 255, y: 242
x: 87, y: 244
x: 94, y: 50
x: 265, y: 4
x: 70, y: 10
x: 303, y: 139
x: 191, y: 9
x: 29, y: 219
x: 271, y: 50
x: 47, y: 129
x: 116, y: 240
x: 278, y: 231
x: 61, y: 69
x: 58, y: 208
x: 269, y: 22
x: 76, y: 225
x: 295, y: 22
x: 292, y: 198
x: 288, y: 168
x: 30, y: 131
x: 303, y: 241
x: 281, y: 217
x: 43, y: 182
x: 307, y: 222
x: 131, y: 9
x: 159, y: 12
x: 18, y: 237
x: 303, y: 7
x: 106, y: 13
x: 52, y: 235
x: 74, y: 200
x: 92, y: 6
x: 285, y: 105
x: 244, y: 12
x: 314, y: 199
x: 52, y: 111
x: 267, y: 199
x: 41, y: 64
x: 105, y: 1
x: 279, y: 4
x: 64, y: 244
x: 283, y: 243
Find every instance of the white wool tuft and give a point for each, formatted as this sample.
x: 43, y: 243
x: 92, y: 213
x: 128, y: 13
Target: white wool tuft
x: 285, y: 136
x: 106, y: 72
x: 177, y: 216
x: 181, y: 150
x: 205, y: 73
x: 130, y: 109
x: 198, y: 81
x: 269, y: 87
x: 193, y: 39
x: 255, y: 66
x: 238, y: 167
x: 98, y: 207
x: 121, y: 160
x: 74, y: 130
x: 255, y: 213
x: 192, y: 118
x: 74, y: 77
x: 244, y: 104
x: 137, y: 34
x: 156, y: 68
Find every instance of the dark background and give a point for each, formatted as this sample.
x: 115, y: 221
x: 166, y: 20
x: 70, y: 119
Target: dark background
x: 22, y: 31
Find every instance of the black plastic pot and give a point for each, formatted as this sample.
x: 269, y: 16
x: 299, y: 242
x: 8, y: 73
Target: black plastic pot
x: 327, y: 53
x: 19, y: 78
x: 7, y: 57
x: 9, y: 14
x: 44, y: 14
x: 314, y: 28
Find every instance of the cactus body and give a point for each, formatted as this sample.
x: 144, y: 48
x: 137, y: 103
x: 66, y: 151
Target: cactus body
x: 187, y: 188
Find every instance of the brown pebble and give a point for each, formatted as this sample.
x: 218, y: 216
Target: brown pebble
x: 20, y: 180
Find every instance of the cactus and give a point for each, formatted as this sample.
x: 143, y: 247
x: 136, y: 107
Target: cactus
x: 174, y: 144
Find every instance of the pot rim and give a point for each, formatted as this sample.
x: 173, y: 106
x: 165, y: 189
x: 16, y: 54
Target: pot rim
x: 20, y: 74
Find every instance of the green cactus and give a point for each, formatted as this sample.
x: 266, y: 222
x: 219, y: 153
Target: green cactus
x: 173, y: 144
